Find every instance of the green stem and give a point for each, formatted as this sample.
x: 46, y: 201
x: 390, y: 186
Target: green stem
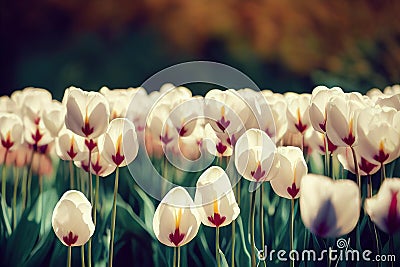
x: 369, y: 186
x: 96, y: 200
x: 233, y: 238
x: 292, y: 230
x: 23, y: 187
x: 383, y: 173
x: 3, y: 178
x: 252, y: 215
x: 174, y: 259
x: 91, y: 202
x: 238, y: 192
x: 71, y: 175
x: 179, y: 257
x: 356, y: 167
x: 69, y: 256
x: 114, y: 215
x: 164, y: 175
x: 14, y: 209
x: 217, y: 258
x: 327, y: 157
x: 29, y: 183
x: 83, y: 255
x: 262, y: 218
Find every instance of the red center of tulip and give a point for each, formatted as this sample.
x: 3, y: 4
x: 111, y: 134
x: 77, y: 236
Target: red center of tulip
x: 350, y: 139
x: 7, y: 144
x: 217, y: 219
x: 86, y: 129
x: 331, y: 147
x: 231, y: 140
x: 118, y: 158
x: 84, y: 166
x: 223, y: 124
x: 36, y: 136
x: 90, y: 144
x: 366, y: 166
x: 393, y: 219
x: 176, y: 237
x: 97, y: 167
x: 323, y: 126
x: 299, y: 125
x: 258, y: 173
x: 221, y: 148
x: 293, y: 191
x: 70, y: 239
x: 381, y: 156
x: 182, y: 131
x: 71, y: 153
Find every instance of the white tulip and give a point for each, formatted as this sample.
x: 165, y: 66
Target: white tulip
x: 329, y: 208
x: 254, y: 156
x: 215, y: 198
x: 120, y: 145
x: 176, y: 220
x: 72, y: 219
x: 87, y: 113
x: 384, y: 207
x: 292, y: 168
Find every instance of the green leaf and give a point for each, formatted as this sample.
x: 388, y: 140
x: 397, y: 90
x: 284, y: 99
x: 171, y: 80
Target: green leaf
x: 223, y: 259
x: 130, y: 221
x: 21, y: 242
x: 4, y: 217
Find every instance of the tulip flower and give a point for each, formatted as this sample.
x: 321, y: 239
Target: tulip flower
x: 70, y: 146
x: 118, y: 100
x: 319, y: 99
x: 53, y: 117
x: 278, y: 128
x: 226, y: 111
x: 292, y: 168
x: 33, y: 101
x: 8, y: 105
x: 379, y: 141
x: 342, y: 113
x: 329, y: 208
x: 176, y: 220
x: 215, y: 196
x: 72, y: 220
x: 217, y: 143
x: 216, y: 201
x: 345, y: 157
x: 120, y: 145
x: 87, y: 113
x: 384, y: 207
x: 254, y: 156
x: 297, y: 112
x: 11, y: 129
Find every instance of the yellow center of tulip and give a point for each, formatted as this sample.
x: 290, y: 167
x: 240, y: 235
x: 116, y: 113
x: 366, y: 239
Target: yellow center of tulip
x: 222, y: 111
x: 178, y: 218
x: 216, y: 211
x: 118, y: 144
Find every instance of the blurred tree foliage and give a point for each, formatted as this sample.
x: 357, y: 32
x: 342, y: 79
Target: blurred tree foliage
x: 283, y: 45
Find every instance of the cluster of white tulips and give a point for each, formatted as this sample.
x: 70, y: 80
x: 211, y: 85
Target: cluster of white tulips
x: 273, y: 140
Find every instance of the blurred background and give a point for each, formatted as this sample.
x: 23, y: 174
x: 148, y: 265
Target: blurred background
x: 284, y: 45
